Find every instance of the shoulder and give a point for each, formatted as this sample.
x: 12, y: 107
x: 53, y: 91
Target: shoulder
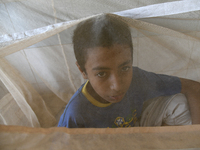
x: 153, y: 85
x: 139, y: 73
x: 74, y: 108
x: 137, y: 70
x: 77, y: 102
x: 152, y: 77
x: 141, y: 76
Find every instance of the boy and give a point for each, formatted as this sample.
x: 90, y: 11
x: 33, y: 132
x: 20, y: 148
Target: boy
x: 115, y: 91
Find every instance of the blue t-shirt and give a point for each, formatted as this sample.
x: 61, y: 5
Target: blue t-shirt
x: 80, y: 112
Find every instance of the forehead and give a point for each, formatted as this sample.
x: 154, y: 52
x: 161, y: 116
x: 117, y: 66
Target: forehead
x: 108, y: 56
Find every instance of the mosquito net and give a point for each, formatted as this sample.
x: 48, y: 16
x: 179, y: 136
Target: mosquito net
x: 39, y: 75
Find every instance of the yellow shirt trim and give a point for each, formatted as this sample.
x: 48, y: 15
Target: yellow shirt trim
x: 91, y: 99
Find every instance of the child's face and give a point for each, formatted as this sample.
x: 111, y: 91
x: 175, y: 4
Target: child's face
x: 109, y: 71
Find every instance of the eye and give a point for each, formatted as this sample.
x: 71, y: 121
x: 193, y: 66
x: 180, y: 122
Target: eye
x: 125, y: 68
x: 101, y: 74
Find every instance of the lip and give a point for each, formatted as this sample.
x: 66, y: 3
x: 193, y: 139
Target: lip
x: 117, y: 97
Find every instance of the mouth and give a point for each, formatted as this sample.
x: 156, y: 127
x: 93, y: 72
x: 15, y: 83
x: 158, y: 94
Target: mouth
x: 117, y: 97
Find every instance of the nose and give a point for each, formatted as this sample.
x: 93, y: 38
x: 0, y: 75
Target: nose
x: 115, y: 83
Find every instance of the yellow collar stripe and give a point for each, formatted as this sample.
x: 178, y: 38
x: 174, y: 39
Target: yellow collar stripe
x: 91, y: 99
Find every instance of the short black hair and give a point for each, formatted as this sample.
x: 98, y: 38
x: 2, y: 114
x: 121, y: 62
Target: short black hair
x: 102, y: 31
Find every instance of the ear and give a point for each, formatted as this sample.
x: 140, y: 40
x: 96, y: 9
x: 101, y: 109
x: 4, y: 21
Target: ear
x: 82, y: 72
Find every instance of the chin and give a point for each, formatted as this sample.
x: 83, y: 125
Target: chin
x: 115, y: 101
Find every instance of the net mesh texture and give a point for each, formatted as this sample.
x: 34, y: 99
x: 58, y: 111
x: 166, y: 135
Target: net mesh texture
x: 39, y: 75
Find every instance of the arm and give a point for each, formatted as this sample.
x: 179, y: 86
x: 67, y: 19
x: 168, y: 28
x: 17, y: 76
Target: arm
x: 191, y: 89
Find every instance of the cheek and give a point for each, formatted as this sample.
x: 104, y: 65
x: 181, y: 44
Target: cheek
x: 127, y: 78
x: 130, y: 77
x: 101, y: 87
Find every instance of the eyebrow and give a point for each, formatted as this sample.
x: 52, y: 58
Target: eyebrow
x: 106, y: 68
x: 101, y: 68
x: 125, y: 63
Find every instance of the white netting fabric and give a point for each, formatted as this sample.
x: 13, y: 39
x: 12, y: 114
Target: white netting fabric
x: 37, y: 64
